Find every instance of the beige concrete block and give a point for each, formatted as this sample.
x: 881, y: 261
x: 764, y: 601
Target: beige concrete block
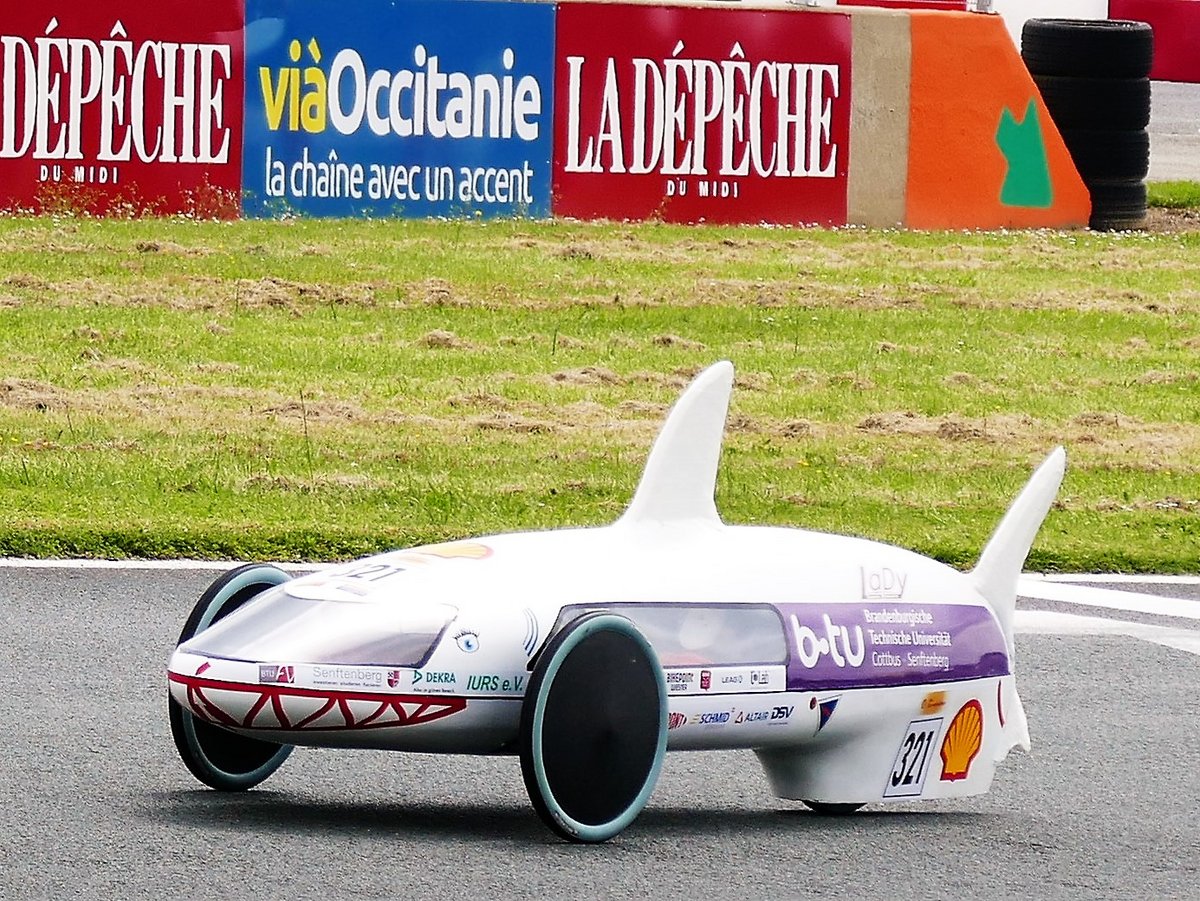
x: 881, y: 65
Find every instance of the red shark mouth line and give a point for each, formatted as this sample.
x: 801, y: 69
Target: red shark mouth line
x: 390, y: 710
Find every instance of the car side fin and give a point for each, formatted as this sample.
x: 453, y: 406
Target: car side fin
x: 680, y: 478
x: 1000, y: 564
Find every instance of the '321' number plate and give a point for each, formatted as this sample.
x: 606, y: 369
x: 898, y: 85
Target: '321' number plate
x: 907, y: 779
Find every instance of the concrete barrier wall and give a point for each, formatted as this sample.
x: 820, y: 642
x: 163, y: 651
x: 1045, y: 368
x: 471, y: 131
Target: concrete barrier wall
x: 983, y: 150
x: 683, y: 112
x: 879, y: 120
x: 969, y: 145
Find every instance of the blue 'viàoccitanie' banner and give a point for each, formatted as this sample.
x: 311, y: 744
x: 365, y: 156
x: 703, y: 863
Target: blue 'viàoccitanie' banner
x: 439, y: 108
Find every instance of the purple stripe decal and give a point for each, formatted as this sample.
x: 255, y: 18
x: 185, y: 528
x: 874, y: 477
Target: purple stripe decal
x: 876, y: 644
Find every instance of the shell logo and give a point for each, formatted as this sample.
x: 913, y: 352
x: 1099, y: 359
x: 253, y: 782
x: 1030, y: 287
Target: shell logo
x: 963, y: 740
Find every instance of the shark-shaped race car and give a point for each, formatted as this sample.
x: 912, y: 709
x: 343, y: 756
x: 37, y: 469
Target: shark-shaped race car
x: 858, y: 672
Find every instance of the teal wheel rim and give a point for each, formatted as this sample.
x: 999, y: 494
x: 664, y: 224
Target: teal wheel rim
x: 576, y: 807
x: 226, y: 761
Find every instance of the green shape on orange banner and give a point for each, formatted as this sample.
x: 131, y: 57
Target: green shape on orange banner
x: 1027, y: 182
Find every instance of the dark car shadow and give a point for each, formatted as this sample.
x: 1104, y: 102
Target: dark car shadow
x: 282, y: 813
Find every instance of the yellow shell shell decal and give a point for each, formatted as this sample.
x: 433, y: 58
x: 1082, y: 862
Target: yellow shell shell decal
x: 963, y: 740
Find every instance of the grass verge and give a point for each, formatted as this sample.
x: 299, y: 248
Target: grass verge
x: 313, y: 390
x: 1173, y: 195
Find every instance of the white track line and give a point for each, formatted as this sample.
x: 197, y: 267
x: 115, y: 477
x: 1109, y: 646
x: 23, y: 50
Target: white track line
x: 1129, y: 601
x: 1048, y: 622
x: 1115, y: 578
x: 179, y: 565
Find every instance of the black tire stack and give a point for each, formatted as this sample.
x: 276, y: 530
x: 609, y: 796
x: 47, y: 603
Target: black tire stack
x: 1094, y: 79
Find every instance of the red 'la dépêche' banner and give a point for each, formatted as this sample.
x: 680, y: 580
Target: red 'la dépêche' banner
x: 107, y: 107
x: 701, y: 114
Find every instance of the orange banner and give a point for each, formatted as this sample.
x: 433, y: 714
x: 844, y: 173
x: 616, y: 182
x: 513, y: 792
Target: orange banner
x: 983, y: 151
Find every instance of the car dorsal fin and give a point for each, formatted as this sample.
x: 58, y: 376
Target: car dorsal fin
x: 680, y: 478
x: 1000, y: 564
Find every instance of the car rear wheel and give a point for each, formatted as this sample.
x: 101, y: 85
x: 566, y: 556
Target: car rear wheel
x: 221, y: 759
x: 593, y: 728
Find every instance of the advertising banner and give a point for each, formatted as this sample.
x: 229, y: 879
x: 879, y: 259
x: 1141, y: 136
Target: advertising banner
x: 701, y: 114
x: 438, y: 108
x: 1176, y: 25
x: 982, y: 152
x: 121, y: 107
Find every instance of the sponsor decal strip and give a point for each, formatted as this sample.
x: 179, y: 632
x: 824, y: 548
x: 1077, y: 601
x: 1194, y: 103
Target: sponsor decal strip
x: 720, y: 680
x: 884, y: 643
x: 409, y: 710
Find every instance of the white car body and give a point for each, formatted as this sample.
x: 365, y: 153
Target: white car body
x: 858, y: 671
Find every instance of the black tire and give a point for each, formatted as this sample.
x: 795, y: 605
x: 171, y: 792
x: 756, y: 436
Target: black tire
x: 1102, y: 104
x: 220, y: 759
x: 828, y: 809
x: 1108, y: 155
x: 593, y: 728
x: 1117, y: 205
x: 1105, y: 48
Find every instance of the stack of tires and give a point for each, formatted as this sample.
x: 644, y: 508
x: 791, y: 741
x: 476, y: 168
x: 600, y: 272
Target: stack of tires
x: 1094, y: 79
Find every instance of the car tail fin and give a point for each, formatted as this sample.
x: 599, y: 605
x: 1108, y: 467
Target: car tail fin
x: 1000, y: 564
x: 679, y: 481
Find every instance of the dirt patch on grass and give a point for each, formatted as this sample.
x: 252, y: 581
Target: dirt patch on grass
x: 643, y: 409
x: 442, y: 339
x: 671, y: 380
x: 1161, y: 377
x: 264, y: 482
x: 29, y: 394
x: 1101, y: 421
x: 899, y: 423
x: 795, y: 428
x: 676, y: 341
x: 850, y: 380
x: 577, y: 252
x: 1160, y: 220
x: 587, y: 375
x: 737, y: 422
x: 484, y: 399
x: 26, y: 282
x: 753, y: 381
x: 296, y: 297
x: 170, y: 247
x: 504, y: 421
x: 1178, y: 504
x: 1002, y: 427
x: 318, y: 409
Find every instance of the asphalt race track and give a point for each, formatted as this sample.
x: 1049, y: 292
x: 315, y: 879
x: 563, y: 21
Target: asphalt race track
x: 1174, y: 131
x: 94, y: 802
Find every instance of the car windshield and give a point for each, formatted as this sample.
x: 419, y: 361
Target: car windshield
x: 278, y: 627
x: 693, y: 634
